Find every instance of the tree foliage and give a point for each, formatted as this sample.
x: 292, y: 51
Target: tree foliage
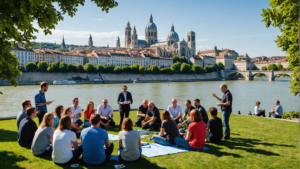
x: 284, y: 14
x: 142, y: 70
x: 279, y: 66
x: 185, y: 68
x: 272, y: 67
x: 118, y: 69
x: 155, y: 69
x: 99, y: 68
x: 176, y: 59
x: 264, y: 68
x: 63, y: 67
x: 135, y: 68
x: 71, y: 67
x: 53, y: 67
x: 126, y: 69
x: 197, y: 69
x: 220, y: 66
x: 42, y: 66
x: 176, y: 67
x: 109, y: 69
x: 30, y: 66
x: 79, y: 68
x: 89, y: 68
x: 182, y: 59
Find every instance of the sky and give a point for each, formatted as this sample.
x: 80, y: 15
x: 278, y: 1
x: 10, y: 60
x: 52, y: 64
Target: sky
x: 231, y: 24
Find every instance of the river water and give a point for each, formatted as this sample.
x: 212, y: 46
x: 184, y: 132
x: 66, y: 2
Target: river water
x: 245, y: 94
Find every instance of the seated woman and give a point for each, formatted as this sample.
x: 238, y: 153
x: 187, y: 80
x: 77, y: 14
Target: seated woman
x: 168, y: 131
x: 96, y: 147
x: 74, y: 128
x: 57, y: 115
x: 41, y: 144
x: 63, y: 141
x: 194, y: 139
x: 129, y: 143
x: 89, y: 110
x: 258, y: 111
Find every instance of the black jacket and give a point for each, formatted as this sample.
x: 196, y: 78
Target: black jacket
x: 122, y: 99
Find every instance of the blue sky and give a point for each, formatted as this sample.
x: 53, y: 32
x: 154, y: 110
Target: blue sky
x: 232, y: 24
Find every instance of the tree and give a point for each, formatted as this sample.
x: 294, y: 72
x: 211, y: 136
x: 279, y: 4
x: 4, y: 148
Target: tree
x: 71, y: 67
x: 264, y: 68
x: 182, y: 59
x: 214, y: 68
x: 272, y: 67
x: 89, y: 68
x: 167, y: 70
x: 220, y: 66
x: 30, y: 66
x: 284, y: 14
x: 135, y: 68
x: 109, y: 69
x: 22, y: 68
x: 142, y: 69
x: 99, y: 68
x: 176, y: 59
x: 79, y: 68
x: 176, y: 67
x: 53, y: 67
x: 42, y: 66
x: 118, y: 69
x: 185, y: 68
x: 279, y: 66
x: 197, y: 69
x: 126, y: 69
x: 208, y: 69
x: 155, y: 69
x: 63, y: 67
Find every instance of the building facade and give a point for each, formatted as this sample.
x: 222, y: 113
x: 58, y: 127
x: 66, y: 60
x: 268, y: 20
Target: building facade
x: 24, y: 55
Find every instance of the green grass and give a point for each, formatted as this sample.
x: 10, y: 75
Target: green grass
x: 255, y: 143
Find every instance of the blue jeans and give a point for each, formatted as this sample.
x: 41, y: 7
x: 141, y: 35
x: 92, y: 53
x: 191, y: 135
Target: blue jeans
x: 87, y: 123
x: 225, y: 116
x: 161, y: 140
x: 183, y: 143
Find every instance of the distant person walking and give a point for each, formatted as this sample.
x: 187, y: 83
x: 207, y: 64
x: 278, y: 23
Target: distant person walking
x: 277, y: 112
x: 40, y: 101
x: 22, y: 114
x: 258, y: 111
x: 226, y: 108
x: 124, y: 101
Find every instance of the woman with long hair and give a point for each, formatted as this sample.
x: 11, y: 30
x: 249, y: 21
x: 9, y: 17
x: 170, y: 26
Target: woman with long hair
x: 63, y: 141
x: 57, y: 115
x: 89, y: 110
x: 258, y: 111
x: 168, y: 131
x: 194, y: 139
x: 74, y: 128
x: 129, y: 143
x: 41, y: 144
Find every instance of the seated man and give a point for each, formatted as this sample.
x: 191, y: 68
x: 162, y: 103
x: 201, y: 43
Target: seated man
x: 175, y: 111
x: 155, y: 122
x: 106, y: 114
x: 189, y: 108
x: 27, y: 128
x: 22, y: 114
x: 214, y: 127
x: 76, y: 112
x: 277, y: 112
x: 143, y: 109
x: 201, y: 110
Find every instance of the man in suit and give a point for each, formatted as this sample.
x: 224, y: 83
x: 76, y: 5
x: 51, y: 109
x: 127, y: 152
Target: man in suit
x: 124, y: 101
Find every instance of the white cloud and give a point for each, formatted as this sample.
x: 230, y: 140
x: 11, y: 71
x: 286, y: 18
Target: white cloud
x: 100, y: 19
x: 201, y: 40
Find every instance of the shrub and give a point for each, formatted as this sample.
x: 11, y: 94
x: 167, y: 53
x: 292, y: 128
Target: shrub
x: 63, y: 67
x: 79, y: 68
x: 176, y: 59
x: 290, y: 114
x: 42, y: 66
x: 118, y: 69
x: 264, y: 68
x: 155, y: 69
x: 89, y: 68
x: 176, y: 67
x: 71, y: 67
x: 220, y: 66
x: 30, y: 66
x: 142, y: 70
x: 272, y: 67
x: 99, y: 68
x: 185, y: 68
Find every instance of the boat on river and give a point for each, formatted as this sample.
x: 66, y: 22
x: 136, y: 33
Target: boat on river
x: 64, y: 82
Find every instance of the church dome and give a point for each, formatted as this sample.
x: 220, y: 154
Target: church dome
x: 151, y: 25
x: 173, y: 35
x: 183, y: 42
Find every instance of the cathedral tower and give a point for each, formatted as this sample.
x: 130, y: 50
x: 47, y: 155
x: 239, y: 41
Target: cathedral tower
x: 134, y: 39
x: 127, y: 35
x: 118, y: 45
x: 90, y: 42
x: 151, y: 32
x: 192, y: 43
x: 63, y: 45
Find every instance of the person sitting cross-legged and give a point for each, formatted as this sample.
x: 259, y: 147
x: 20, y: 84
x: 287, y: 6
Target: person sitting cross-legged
x: 22, y: 114
x: 129, y: 143
x: 106, y: 113
x: 57, y: 115
x: 153, y: 123
x: 168, y: 131
x: 96, y: 147
x: 214, y: 127
x: 175, y: 111
x: 27, y: 128
x: 74, y: 127
x: 278, y: 111
x: 194, y: 139
x: 89, y: 110
x: 141, y: 113
x: 41, y: 144
x: 258, y: 111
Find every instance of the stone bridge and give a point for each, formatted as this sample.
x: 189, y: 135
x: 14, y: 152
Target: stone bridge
x: 249, y: 74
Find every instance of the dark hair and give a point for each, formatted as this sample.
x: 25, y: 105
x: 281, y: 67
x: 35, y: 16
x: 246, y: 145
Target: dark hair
x: 64, y: 123
x: 66, y: 111
x: 225, y: 85
x: 29, y: 111
x: 165, y: 115
x: 257, y: 103
x: 75, y: 98
x: 44, y: 84
x: 213, y: 111
x: 278, y: 101
x: 25, y: 103
x: 127, y: 124
x: 189, y: 101
x: 197, y: 100
x: 95, y: 119
x: 125, y: 86
x: 57, y: 110
x: 195, y: 115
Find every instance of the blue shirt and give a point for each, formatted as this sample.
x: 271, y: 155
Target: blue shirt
x: 40, y: 98
x: 93, y: 139
x: 21, y: 115
x: 278, y: 110
x: 56, y: 121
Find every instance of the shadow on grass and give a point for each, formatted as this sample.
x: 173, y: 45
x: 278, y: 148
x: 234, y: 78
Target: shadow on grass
x: 9, y: 159
x: 7, y: 135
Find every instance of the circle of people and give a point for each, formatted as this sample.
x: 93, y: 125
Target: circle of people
x: 57, y: 133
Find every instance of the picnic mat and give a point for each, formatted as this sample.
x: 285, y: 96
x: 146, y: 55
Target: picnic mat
x: 154, y: 149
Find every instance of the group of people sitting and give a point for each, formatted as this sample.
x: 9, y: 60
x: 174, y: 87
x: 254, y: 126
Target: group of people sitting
x: 277, y: 112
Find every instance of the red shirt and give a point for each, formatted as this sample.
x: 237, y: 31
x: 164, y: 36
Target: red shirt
x: 198, y: 130
x: 88, y: 114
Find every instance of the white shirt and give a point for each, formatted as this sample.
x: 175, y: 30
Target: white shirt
x: 257, y: 110
x: 75, y: 112
x: 174, y: 111
x: 62, y: 145
x: 125, y: 96
x: 105, y: 113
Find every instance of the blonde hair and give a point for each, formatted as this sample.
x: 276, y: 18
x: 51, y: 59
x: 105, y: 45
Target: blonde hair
x: 46, y: 120
x: 88, y: 104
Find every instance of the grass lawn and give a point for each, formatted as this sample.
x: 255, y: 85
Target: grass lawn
x: 255, y: 143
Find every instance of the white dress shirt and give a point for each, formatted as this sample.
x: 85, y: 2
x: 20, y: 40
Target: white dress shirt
x: 105, y: 112
x: 257, y: 110
x: 174, y: 111
x: 75, y: 112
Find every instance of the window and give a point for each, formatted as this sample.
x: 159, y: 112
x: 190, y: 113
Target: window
x: 151, y: 33
x: 148, y: 33
x: 154, y: 34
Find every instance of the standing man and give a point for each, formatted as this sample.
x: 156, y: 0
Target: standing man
x: 40, y: 101
x: 143, y: 110
x: 175, y: 111
x: 155, y: 122
x: 76, y: 112
x: 226, y: 108
x: 22, y: 114
x: 201, y: 110
x: 277, y: 112
x: 106, y: 114
x: 124, y: 101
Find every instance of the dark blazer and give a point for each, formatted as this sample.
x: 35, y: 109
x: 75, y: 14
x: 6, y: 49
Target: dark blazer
x: 122, y: 99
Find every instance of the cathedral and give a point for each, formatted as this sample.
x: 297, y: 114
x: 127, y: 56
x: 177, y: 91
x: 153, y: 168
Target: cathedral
x: 172, y: 46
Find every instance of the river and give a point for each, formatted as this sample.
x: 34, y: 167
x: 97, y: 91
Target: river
x: 245, y: 94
